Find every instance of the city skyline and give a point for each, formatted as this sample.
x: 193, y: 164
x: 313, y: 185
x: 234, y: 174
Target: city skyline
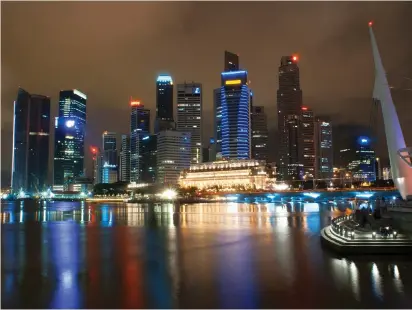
x: 349, y: 90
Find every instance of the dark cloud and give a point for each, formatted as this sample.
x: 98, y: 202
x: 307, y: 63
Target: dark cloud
x: 114, y: 50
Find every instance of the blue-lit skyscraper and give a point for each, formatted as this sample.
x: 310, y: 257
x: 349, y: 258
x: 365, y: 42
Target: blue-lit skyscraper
x: 363, y: 167
x: 164, y: 103
x: 31, y: 128
x: 70, y: 129
x: 139, y: 127
x: 235, y: 124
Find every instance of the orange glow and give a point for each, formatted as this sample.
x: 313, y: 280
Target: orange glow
x: 135, y: 103
x: 304, y: 108
x: 93, y: 149
x: 295, y: 58
x: 105, y: 133
x: 370, y: 24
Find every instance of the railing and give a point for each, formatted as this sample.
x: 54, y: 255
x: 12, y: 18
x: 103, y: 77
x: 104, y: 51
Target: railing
x: 339, y: 229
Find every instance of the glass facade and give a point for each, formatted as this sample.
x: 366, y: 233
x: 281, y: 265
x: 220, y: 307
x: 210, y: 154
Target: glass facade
x: 235, y: 122
x: 260, y: 133
x: 189, y: 116
x: 164, y: 103
x: 148, y: 159
x: 31, y: 128
x: 70, y: 129
x: 363, y: 167
x: 139, y: 127
x: 324, y: 149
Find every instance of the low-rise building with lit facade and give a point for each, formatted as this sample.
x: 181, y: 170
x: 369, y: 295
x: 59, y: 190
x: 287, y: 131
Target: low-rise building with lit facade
x: 250, y: 174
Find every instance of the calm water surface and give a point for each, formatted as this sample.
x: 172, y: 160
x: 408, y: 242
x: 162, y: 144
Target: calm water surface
x: 80, y: 255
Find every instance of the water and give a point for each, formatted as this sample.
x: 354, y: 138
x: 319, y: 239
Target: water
x: 79, y: 255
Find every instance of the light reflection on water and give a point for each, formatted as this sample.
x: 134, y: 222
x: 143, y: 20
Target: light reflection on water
x: 117, y: 255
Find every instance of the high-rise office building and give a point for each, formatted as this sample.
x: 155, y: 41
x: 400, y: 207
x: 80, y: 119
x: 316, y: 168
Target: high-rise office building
x: 189, y: 116
x: 70, y: 129
x: 173, y: 155
x: 307, y: 123
x: 231, y: 62
x: 289, y: 103
x: 31, y: 128
x: 109, y: 140
x: 260, y: 133
x: 97, y: 164
x: 363, y: 167
x: 125, y: 159
x: 164, y: 103
x: 235, y: 124
x: 109, y: 173
x: 323, y: 149
x: 139, y: 127
x: 148, y: 153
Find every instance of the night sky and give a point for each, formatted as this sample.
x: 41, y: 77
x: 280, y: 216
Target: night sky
x: 112, y: 51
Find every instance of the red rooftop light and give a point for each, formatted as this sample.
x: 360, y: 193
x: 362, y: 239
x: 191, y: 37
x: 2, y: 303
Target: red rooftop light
x: 370, y: 24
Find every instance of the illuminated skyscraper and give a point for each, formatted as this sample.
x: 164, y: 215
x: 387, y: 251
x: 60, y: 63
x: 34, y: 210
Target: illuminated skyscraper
x: 324, y: 149
x: 70, y: 129
x: 235, y: 115
x: 139, y: 127
x: 307, y: 145
x: 31, y: 128
x: 109, y: 140
x: 363, y: 167
x: 260, y: 149
x: 148, y: 152
x: 164, y: 103
x: 125, y: 159
x: 173, y: 155
x: 289, y: 103
x: 189, y: 116
x: 231, y: 64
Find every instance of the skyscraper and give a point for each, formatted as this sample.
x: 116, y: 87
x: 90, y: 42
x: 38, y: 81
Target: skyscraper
x: 125, y: 159
x: 31, y: 128
x: 139, y: 127
x: 164, y: 103
x: 189, y: 116
x: 363, y: 167
x: 109, y: 140
x: 324, y: 149
x: 97, y: 165
x: 70, y: 129
x: 260, y: 136
x: 148, y: 158
x: 173, y: 155
x: 289, y: 103
x: 231, y: 62
x: 307, y: 123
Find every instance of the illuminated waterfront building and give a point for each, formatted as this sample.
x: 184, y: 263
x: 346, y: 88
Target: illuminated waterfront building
x: 189, y: 116
x: 324, y: 149
x: 125, y: 159
x: 109, y: 140
x: 289, y: 103
x: 173, y: 155
x: 148, y: 157
x: 386, y: 173
x: 232, y: 109
x: 164, y: 104
x: 363, y: 167
x: 235, y: 121
x: 260, y: 134
x: 307, y: 141
x: 31, y: 128
x: 70, y: 129
x: 225, y: 175
x: 139, y: 128
x: 109, y: 173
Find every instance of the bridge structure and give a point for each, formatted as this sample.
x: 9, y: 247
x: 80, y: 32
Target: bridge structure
x: 400, y: 155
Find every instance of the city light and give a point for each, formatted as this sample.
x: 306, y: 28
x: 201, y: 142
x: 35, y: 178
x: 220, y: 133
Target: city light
x: 169, y: 194
x: 280, y: 187
x: 312, y: 195
x: 135, y: 103
x: 69, y: 123
x: 370, y: 24
x: 233, y: 82
x: 295, y: 58
x: 165, y: 79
